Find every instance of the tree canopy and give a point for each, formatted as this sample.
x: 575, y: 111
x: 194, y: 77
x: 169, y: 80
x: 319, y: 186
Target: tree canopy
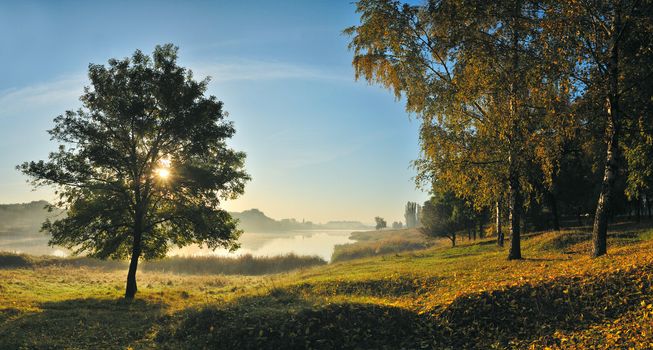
x: 380, y: 223
x: 444, y: 215
x: 143, y: 166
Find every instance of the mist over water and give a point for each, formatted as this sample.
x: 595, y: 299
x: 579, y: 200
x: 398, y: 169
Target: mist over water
x: 33, y: 245
x: 318, y: 242
x: 20, y: 226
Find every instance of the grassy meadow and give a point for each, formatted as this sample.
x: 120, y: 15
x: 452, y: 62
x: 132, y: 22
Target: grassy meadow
x: 440, y: 297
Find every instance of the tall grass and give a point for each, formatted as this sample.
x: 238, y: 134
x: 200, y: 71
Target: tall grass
x: 342, y: 252
x: 411, y: 234
x: 242, y: 265
x: 381, y: 242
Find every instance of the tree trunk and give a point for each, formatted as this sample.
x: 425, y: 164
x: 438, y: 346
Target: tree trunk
x: 648, y: 206
x: 131, y: 289
x: 515, y: 216
x: 600, y: 230
x: 453, y: 240
x: 481, y: 234
x: 553, y: 202
x: 515, y: 207
x: 498, y: 224
x: 638, y: 210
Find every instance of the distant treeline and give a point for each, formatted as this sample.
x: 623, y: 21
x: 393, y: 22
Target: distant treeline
x: 23, y: 218
x: 254, y: 220
x: 242, y: 265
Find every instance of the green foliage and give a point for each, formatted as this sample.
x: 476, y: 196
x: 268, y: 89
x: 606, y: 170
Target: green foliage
x: 444, y: 215
x: 141, y: 114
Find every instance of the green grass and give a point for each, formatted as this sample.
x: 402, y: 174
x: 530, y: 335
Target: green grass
x: 464, y: 297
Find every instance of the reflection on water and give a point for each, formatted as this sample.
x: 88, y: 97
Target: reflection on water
x: 305, y: 242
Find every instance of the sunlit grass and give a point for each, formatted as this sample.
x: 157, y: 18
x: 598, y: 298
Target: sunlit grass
x: 414, y: 287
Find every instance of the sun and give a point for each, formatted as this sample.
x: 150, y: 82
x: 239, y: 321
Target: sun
x: 163, y: 173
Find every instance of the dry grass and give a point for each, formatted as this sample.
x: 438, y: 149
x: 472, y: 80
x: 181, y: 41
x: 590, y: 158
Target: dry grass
x: 242, y: 265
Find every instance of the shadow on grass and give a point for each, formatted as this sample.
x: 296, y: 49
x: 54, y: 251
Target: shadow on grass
x: 490, y: 242
x: 384, y: 287
x: 80, y: 324
x: 511, y: 317
x: 519, y: 315
x: 282, y: 320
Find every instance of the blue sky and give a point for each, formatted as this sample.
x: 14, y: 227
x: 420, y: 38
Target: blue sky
x: 320, y: 146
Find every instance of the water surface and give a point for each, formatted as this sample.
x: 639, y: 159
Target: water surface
x: 301, y: 242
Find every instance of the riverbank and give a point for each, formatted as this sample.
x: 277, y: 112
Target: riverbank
x: 382, y: 242
x: 464, y: 297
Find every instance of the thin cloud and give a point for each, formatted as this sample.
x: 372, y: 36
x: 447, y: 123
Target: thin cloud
x: 66, y: 90
x: 41, y: 96
x: 251, y: 70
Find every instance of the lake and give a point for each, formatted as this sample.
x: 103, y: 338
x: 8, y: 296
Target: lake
x: 301, y: 242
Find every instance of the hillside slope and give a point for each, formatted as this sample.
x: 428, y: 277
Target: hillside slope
x: 462, y: 298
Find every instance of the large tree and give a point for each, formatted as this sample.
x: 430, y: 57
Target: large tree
x: 143, y: 166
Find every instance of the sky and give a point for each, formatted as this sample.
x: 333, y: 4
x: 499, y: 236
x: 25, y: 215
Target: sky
x: 320, y: 146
